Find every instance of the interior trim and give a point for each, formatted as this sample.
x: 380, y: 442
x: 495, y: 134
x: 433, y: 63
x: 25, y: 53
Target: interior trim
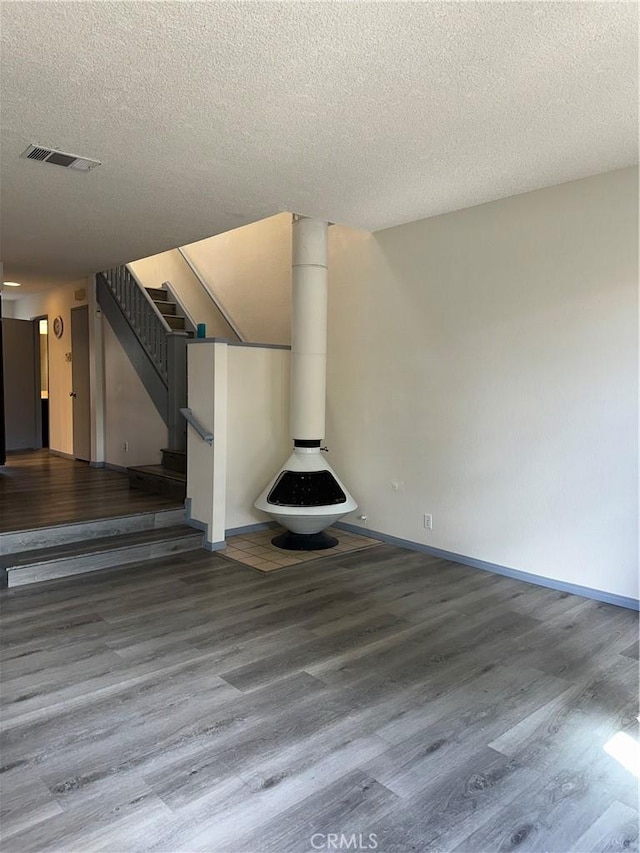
x: 517, y: 574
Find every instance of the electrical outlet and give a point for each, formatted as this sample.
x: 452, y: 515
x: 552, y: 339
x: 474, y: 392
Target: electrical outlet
x: 428, y: 522
x: 125, y: 446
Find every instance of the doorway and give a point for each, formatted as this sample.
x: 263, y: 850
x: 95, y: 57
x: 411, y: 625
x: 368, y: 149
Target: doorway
x: 81, y: 386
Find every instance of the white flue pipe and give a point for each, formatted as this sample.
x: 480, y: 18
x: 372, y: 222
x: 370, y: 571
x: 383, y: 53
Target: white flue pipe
x: 308, y: 384
x: 309, y: 329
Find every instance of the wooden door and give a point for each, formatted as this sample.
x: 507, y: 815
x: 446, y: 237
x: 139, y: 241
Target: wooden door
x: 81, y: 391
x: 20, y: 384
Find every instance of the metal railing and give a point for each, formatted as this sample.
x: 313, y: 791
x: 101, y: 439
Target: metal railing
x: 143, y: 316
x: 195, y: 423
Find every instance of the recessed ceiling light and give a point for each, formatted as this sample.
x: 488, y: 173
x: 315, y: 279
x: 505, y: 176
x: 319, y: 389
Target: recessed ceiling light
x: 12, y: 284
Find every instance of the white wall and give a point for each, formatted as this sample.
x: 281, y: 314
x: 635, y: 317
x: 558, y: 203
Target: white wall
x: 207, y: 463
x: 58, y: 301
x: 258, y: 437
x: 241, y: 394
x: 172, y: 267
x: 485, y: 362
x: 130, y: 415
x: 249, y: 270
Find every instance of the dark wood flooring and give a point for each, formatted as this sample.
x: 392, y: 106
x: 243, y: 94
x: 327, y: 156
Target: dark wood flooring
x: 38, y: 489
x: 195, y: 705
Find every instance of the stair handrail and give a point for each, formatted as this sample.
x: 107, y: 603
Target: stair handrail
x: 195, y: 423
x: 211, y: 295
x: 153, y: 305
x: 146, y: 324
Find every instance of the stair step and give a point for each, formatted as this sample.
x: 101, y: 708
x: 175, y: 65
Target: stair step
x: 177, y: 323
x: 159, y: 471
x: 108, y: 552
x: 157, y: 293
x: 174, y: 460
x: 13, y: 542
x: 167, y: 309
x: 158, y: 480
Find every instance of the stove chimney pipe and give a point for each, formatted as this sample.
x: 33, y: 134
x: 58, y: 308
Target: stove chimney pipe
x: 306, y: 495
x: 309, y: 331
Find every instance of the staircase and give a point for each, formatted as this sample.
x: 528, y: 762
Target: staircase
x: 168, y: 479
x: 153, y: 329
x: 168, y: 308
x: 42, y: 554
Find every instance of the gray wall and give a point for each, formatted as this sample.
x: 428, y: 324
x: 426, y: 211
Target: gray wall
x: 18, y: 345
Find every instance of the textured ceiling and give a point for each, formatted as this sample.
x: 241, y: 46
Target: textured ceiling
x: 211, y: 115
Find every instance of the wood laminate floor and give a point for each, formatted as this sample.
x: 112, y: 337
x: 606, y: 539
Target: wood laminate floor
x: 195, y: 705
x: 38, y: 489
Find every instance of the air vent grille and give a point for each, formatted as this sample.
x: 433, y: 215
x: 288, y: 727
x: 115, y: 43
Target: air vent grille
x: 60, y: 158
x: 38, y: 153
x: 83, y: 165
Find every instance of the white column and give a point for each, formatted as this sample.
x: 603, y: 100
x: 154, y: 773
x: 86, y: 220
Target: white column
x: 207, y: 464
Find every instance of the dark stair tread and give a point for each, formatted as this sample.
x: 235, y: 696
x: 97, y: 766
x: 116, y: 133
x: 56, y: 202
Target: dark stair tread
x: 167, y: 309
x: 88, y: 547
x: 157, y: 293
x: 174, y: 460
x: 158, y: 471
x: 175, y: 322
x: 159, y: 479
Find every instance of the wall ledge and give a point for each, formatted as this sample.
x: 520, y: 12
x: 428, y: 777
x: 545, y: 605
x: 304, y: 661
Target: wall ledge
x: 233, y: 343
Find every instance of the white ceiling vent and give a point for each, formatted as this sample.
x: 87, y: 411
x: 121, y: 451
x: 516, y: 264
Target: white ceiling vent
x: 60, y: 158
